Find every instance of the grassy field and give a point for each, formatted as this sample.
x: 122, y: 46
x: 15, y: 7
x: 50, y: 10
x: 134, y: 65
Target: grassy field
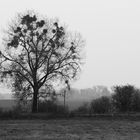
x: 72, y: 129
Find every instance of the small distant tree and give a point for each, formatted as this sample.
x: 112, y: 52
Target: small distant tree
x: 101, y: 105
x: 135, y: 101
x: 122, y: 97
x: 38, y: 51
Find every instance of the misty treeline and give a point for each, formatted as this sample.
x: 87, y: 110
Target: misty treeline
x: 125, y: 98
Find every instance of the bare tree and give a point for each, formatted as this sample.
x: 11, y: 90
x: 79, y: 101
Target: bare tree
x: 38, y: 51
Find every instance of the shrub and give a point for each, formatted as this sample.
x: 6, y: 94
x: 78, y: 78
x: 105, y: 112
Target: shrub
x: 122, y: 97
x: 46, y: 106
x: 1, y: 110
x: 83, y: 109
x: 101, y: 105
x: 135, y: 101
x: 52, y: 107
x: 9, y: 114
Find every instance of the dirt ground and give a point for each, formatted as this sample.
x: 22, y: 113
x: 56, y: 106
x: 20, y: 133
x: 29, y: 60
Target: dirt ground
x: 72, y: 129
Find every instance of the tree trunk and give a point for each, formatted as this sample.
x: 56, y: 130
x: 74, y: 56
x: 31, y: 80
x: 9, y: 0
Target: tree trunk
x: 35, y: 102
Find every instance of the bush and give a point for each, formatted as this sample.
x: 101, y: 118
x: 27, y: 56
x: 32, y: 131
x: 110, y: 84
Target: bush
x: 135, y: 101
x: 52, y: 107
x: 83, y: 109
x: 123, y: 97
x: 46, y: 107
x: 10, y: 114
x: 13, y: 113
x: 101, y: 105
x: 1, y: 110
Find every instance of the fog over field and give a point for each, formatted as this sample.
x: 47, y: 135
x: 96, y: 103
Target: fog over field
x: 70, y: 70
x: 74, y: 97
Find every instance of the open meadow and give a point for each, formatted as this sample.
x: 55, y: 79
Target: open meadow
x: 69, y: 129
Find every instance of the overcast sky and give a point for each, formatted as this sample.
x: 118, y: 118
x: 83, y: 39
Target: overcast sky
x: 111, y: 30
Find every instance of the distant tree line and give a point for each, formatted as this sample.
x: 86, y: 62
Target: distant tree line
x: 125, y: 98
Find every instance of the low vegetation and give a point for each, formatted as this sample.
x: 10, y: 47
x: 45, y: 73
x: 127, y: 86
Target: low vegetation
x: 125, y: 99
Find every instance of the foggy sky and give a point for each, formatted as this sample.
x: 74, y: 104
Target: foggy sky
x: 111, y: 30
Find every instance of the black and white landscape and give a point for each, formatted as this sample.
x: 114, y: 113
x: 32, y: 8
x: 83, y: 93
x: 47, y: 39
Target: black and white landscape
x: 69, y: 70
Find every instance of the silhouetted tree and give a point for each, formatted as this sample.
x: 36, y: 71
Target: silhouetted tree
x: 135, y: 101
x: 122, y: 97
x: 100, y: 105
x: 38, y: 51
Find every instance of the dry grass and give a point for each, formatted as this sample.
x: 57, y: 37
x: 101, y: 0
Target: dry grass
x: 85, y: 129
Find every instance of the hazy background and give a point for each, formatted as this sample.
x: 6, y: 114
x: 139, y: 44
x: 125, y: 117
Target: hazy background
x: 111, y: 30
